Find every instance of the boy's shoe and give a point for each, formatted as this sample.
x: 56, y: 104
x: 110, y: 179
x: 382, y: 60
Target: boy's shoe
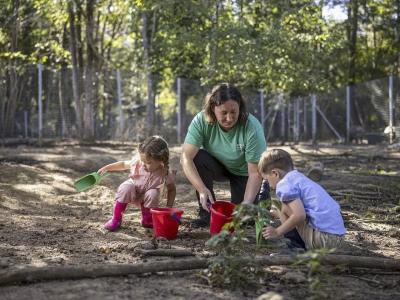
x: 113, y: 224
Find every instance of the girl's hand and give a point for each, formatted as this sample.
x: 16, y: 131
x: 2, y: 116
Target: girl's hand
x: 270, y: 232
x: 206, y: 199
x: 102, y: 170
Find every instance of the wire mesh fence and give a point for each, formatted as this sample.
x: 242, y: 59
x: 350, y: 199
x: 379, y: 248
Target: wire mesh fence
x: 37, y: 102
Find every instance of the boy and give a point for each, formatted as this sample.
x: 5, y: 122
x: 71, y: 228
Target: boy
x: 306, y: 206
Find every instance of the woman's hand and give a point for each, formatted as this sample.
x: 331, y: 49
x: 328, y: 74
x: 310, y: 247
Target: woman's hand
x: 270, y: 232
x: 206, y: 199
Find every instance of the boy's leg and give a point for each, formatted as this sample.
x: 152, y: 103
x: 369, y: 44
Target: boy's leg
x: 209, y: 169
x: 316, y: 239
x: 296, y: 240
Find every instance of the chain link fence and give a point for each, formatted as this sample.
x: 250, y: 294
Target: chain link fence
x: 365, y: 113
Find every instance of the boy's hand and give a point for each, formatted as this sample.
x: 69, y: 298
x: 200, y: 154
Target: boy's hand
x: 274, y: 212
x: 270, y: 232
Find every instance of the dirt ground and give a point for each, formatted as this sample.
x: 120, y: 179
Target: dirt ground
x: 45, y: 222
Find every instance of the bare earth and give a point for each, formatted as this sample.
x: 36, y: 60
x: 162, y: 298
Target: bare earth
x: 45, y: 222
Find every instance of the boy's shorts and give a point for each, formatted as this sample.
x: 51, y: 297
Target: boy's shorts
x: 314, y: 239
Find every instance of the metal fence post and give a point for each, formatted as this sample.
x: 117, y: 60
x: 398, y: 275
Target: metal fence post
x: 391, y: 112
x: 179, y: 111
x: 314, y: 119
x: 305, y: 117
x: 348, y: 113
x: 40, y: 109
x: 297, y: 120
x: 26, y: 124
x: 262, y: 109
x: 119, y: 95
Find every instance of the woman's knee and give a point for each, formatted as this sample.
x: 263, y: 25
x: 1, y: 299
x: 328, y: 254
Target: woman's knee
x: 201, y: 158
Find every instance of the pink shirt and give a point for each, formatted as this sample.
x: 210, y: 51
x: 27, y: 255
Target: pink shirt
x: 145, y: 180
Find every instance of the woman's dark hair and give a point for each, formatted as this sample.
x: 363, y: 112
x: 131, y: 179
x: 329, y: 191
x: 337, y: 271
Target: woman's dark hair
x: 220, y: 94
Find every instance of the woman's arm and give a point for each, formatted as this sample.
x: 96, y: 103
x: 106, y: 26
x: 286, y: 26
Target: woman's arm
x: 188, y: 153
x: 117, y: 166
x: 253, y: 184
x: 293, y: 214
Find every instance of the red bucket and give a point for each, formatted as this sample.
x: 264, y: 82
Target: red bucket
x: 221, y: 213
x: 166, y: 222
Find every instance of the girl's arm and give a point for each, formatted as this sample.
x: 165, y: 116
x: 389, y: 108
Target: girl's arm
x: 117, y: 166
x: 292, y: 213
x: 253, y: 184
x: 171, y: 193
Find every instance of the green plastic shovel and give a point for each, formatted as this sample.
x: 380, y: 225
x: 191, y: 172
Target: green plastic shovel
x: 88, y: 181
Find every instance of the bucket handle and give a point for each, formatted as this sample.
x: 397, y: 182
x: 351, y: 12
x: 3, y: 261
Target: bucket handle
x: 174, y: 216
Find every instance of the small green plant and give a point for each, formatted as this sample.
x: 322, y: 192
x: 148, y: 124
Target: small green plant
x: 226, y: 270
x: 316, y: 273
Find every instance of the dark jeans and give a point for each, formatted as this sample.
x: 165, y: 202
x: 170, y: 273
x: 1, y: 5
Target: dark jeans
x: 295, y: 239
x: 210, y: 170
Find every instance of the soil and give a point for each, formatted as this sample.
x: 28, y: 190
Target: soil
x: 45, y: 222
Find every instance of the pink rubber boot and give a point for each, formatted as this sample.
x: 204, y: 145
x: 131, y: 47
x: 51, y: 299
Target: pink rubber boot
x: 115, y: 222
x: 147, y: 219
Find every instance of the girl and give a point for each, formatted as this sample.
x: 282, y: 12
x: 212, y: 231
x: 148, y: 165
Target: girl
x: 149, y: 173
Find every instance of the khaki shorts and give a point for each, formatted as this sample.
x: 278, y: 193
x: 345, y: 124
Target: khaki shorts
x: 314, y: 239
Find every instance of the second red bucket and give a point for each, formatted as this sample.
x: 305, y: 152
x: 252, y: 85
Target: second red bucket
x: 221, y: 213
x: 166, y: 222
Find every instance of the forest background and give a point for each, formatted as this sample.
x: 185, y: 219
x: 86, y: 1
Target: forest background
x: 282, y: 46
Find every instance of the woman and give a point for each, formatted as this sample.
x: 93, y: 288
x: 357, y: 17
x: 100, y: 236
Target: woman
x: 223, y: 142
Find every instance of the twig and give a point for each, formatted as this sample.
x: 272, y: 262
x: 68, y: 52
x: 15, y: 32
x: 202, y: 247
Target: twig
x: 375, y: 282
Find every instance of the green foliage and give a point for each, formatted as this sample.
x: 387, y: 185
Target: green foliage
x: 280, y: 46
x: 316, y: 273
x: 226, y: 270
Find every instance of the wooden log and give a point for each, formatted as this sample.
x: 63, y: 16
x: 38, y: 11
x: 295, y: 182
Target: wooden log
x: 315, y: 171
x: 165, y: 252
x: 33, y: 274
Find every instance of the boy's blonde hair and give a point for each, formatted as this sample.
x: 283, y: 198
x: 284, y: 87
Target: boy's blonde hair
x: 275, y: 159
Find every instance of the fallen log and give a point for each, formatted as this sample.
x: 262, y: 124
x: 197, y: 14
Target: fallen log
x: 315, y: 171
x: 33, y: 274
x: 165, y: 252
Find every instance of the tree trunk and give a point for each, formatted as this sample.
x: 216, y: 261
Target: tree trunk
x: 75, y: 70
x: 213, y: 67
x: 352, y: 29
x: 8, y: 127
x: 88, y: 117
x: 397, y: 37
x: 147, y: 35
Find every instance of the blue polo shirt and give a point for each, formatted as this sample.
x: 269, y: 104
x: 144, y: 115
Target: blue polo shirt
x: 322, y: 211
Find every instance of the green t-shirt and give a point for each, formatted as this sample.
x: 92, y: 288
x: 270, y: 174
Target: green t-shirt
x: 234, y: 149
